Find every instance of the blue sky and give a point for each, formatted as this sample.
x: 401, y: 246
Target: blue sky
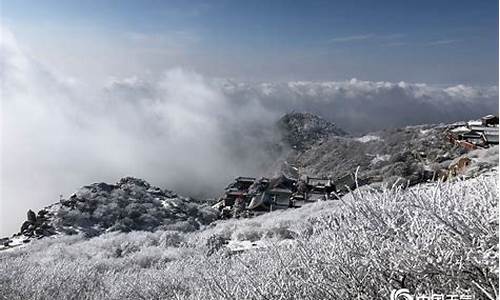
x: 441, y: 42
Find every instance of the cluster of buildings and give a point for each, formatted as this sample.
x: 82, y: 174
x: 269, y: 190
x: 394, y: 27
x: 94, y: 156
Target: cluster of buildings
x: 475, y: 134
x: 248, y: 196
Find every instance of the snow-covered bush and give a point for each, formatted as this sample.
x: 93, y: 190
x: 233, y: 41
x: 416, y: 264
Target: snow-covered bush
x: 130, y: 205
x: 440, y: 237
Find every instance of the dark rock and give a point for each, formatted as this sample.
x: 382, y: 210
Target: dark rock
x: 106, y: 187
x: 133, y: 181
x: 31, y: 216
x: 5, y: 241
x: 69, y: 203
x: 170, y: 194
x: 25, y: 226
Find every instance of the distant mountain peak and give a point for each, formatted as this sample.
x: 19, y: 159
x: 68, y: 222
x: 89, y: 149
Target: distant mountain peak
x: 303, y: 129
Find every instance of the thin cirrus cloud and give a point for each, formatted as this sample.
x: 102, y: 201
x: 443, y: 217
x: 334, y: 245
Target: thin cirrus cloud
x: 364, y: 37
x: 169, y: 37
x: 391, y: 40
x: 443, y: 42
x: 352, y: 38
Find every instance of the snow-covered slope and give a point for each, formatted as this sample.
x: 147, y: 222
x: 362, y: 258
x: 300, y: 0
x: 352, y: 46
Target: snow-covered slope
x: 408, y: 155
x: 311, y: 146
x: 431, y: 235
x: 130, y: 204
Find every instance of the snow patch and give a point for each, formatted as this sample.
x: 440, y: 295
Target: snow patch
x: 380, y: 158
x: 238, y: 246
x: 425, y: 132
x: 368, y: 138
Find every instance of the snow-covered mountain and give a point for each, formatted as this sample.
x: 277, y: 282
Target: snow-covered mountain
x: 302, y: 130
x: 309, y: 146
x: 408, y: 155
x: 131, y: 240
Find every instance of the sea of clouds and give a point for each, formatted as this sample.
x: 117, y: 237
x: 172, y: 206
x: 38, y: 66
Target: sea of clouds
x: 179, y: 129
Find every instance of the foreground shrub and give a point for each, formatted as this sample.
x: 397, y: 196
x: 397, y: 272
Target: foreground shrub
x: 440, y: 237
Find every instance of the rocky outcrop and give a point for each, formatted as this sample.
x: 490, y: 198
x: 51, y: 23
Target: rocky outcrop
x: 130, y: 204
x: 37, y: 226
x: 302, y: 130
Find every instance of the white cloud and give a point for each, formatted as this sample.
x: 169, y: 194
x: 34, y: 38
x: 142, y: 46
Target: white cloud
x: 175, y: 130
x: 351, y: 38
x: 179, y: 130
x: 443, y: 42
x: 362, y: 37
x: 361, y: 106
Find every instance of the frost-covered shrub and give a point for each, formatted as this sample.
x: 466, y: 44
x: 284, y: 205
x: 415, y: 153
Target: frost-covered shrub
x: 130, y: 205
x: 440, y: 237
x: 170, y: 239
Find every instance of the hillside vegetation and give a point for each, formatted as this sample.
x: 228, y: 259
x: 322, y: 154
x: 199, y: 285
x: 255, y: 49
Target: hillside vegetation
x: 130, y: 204
x: 411, y: 154
x: 440, y: 236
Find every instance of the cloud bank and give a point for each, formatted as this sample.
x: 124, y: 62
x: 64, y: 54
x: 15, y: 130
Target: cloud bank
x: 179, y: 129
x: 363, y: 106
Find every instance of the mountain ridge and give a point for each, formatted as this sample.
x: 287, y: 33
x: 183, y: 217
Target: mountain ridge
x: 316, y: 147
